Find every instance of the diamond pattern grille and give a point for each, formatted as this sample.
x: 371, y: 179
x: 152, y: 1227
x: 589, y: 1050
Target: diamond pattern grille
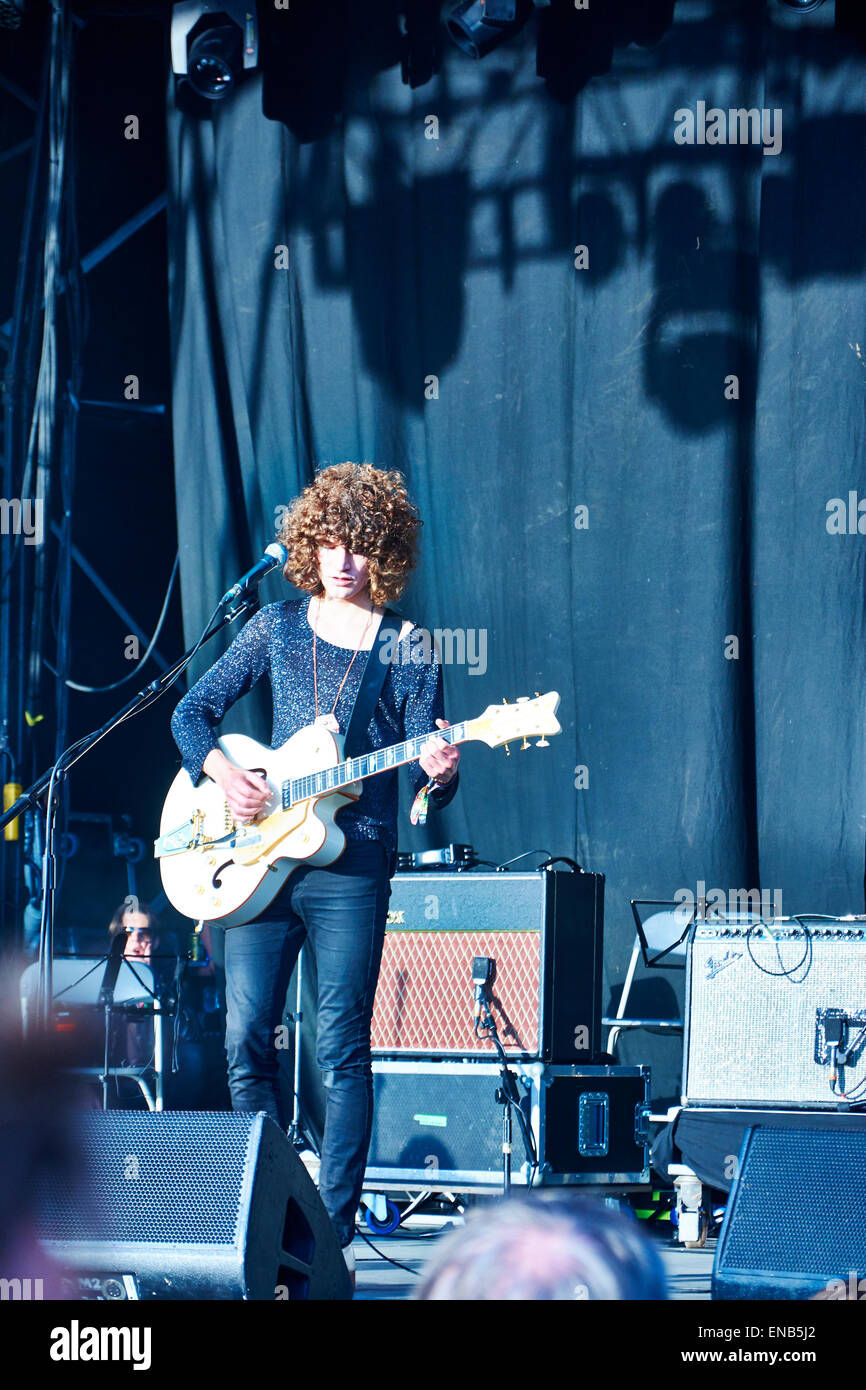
x: 424, y: 999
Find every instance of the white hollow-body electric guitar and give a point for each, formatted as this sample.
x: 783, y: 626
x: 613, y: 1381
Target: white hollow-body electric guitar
x: 216, y: 870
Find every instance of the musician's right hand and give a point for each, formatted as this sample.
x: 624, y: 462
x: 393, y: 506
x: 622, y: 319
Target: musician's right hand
x: 245, y: 792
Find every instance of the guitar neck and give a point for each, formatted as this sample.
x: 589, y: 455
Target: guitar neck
x: 331, y: 779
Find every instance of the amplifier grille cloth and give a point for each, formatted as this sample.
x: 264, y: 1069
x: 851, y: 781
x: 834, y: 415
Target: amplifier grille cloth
x: 752, y: 1035
x: 424, y: 998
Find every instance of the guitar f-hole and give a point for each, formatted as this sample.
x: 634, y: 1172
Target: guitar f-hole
x: 216, y: 880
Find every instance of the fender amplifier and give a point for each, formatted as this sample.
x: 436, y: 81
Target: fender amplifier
x: 770, y: 1008
x: 543, y: 931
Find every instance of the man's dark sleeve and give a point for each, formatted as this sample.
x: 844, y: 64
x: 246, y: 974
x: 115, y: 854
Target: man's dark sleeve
x: 200, y: 711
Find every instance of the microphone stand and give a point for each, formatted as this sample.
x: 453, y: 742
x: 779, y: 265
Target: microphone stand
x: 106, y: 999
x: 173, y: 1002
x: 299, y: 1134
x: 507, y: 1093
x: 51, y: 780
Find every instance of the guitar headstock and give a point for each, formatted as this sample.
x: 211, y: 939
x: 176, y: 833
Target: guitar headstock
x: 525, y: 718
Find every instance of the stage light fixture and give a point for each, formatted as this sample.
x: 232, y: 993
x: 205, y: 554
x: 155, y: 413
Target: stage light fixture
x: 478, y: 26
x: 11, y: 14
x: 212, y: 43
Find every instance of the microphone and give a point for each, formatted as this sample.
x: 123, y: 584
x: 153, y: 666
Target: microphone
x: 482, y: 973
x: 274, y: 556
x: 479, y: 1000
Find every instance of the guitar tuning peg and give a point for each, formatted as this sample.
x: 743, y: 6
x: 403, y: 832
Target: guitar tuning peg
x: 543, y: 743
x: 538, y: 694
x: 525, y: 743
x: 507, y: 750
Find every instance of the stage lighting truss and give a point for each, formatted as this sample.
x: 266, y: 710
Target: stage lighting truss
x: 212, y: 43
x: 11, y: 14
x: 479, y: 26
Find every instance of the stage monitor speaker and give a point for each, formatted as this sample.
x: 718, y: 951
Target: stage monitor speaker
x: 759, y: 1001
x: 190, y: 1205
x: 544, y: 932
x: 795, y: 1223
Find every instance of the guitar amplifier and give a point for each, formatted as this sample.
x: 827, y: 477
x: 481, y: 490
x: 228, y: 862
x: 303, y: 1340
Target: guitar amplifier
x: 543, y: 930
x: 763, y: 1005
x: 437, y: 1126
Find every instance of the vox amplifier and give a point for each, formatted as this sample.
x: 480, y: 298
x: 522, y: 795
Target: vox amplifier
x: 542, y: 930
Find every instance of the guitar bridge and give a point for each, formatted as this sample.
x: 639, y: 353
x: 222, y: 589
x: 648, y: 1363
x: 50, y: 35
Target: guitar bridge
x: 176, y: 841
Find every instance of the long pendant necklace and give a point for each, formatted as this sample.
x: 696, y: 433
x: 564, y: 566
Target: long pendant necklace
x: 330, y: 721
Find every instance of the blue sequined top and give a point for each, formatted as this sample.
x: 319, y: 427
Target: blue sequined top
x: 278, y: 641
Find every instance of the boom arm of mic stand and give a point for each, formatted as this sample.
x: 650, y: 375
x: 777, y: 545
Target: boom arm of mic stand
x: 33, y: 794
x: 54, y: 776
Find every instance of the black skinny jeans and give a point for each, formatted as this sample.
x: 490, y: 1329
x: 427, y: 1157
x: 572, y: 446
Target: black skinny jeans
x: 342, y: 912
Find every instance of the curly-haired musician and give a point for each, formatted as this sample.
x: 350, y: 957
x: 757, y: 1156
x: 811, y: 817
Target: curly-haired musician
x: 352, y: 543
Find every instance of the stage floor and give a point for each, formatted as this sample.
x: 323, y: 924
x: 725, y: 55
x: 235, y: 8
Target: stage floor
x: 688, y: 1271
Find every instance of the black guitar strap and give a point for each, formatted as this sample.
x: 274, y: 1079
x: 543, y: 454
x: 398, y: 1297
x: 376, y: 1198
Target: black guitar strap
x: 378, y: 661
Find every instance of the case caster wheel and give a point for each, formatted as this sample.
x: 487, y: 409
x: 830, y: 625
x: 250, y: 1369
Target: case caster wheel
x: 383, y: 1228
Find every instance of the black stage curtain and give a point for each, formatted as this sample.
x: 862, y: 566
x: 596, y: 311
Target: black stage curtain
x: 625, y: 469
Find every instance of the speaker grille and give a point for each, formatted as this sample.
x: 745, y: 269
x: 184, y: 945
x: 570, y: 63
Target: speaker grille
x: 424, y: 995
x: 126, y: 1160
x: 752, y: 1015
x: 800, y: 1205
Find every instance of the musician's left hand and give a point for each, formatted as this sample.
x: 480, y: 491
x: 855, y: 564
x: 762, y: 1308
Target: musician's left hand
x: 438, y: 758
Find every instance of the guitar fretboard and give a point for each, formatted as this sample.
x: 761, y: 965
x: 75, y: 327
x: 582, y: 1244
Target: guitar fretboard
x: 331, y: 779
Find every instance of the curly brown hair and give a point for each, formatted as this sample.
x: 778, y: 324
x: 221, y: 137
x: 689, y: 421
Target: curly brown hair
x: 367, y: 510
